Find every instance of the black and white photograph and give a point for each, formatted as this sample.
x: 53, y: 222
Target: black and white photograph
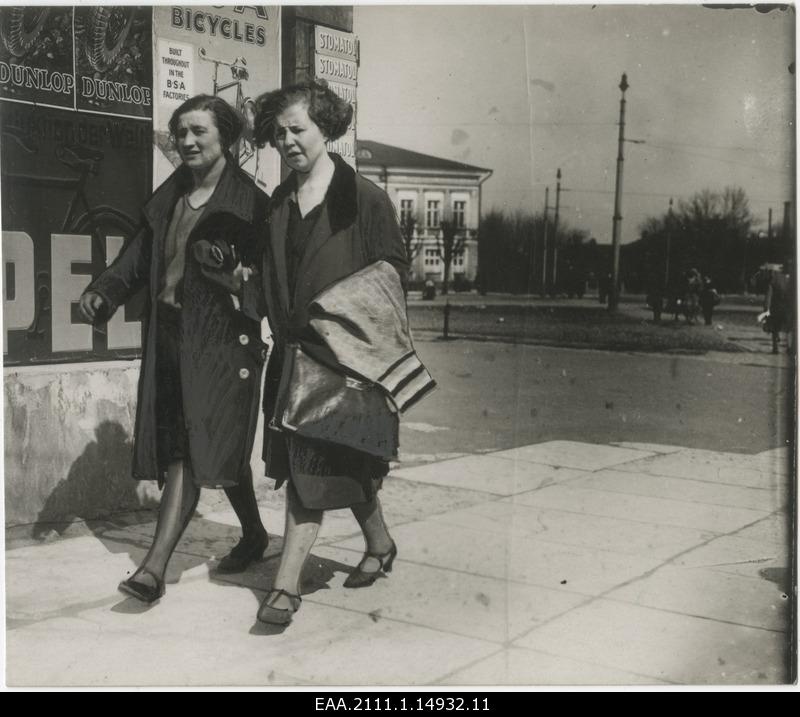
x: 402, y: 355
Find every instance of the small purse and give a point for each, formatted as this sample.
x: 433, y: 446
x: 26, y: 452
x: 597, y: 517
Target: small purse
x: 315, y: 401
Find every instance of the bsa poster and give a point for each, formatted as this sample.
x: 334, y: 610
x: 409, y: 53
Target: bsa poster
x: 232, y: 52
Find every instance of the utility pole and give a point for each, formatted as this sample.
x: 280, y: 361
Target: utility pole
x: 669, y: 242
x: 544, y: 241
x: 769, y: 225
x: 555, y: 231
x: 613, y: 294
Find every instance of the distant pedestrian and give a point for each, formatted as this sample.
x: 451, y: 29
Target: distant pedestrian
x: 709, y: 298
x: 778, y: 304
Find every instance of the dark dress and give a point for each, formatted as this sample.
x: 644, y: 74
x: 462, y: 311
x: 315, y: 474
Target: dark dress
x: 324, y: 475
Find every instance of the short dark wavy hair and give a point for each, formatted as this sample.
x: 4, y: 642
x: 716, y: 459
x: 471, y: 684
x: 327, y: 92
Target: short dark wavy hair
x: 229, y: 121
x: 326, y: 109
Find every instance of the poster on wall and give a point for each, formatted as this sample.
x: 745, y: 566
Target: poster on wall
x: 72, y: 187
x: 113, y: 60
x: 231, y: 52
x: 336, y: 56
x: 75, y: 170
x: 37, y: 55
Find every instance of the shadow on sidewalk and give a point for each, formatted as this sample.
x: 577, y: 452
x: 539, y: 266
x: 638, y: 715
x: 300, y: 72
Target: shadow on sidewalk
x: 260, y: 577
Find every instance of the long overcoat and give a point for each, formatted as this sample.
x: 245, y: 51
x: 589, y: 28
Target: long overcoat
x: 357, y: 227
x: 221, y: 352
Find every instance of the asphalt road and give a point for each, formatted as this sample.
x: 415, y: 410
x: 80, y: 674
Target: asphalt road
x: 493, y: 396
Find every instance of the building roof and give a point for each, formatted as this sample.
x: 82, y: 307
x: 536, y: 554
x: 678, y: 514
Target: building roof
x: 375, y: 154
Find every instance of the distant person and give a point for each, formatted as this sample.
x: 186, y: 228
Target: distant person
x: 709, y: 298
x: 779, y: 303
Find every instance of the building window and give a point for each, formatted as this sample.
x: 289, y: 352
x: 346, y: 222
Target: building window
x: 459, y: 213
x: 406, y: 211
x: 431, y: 257
x: 433, y: 213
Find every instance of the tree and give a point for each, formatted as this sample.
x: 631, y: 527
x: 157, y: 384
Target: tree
x: 712, y: 231
x: 449, y: 244
x: 413, y: 243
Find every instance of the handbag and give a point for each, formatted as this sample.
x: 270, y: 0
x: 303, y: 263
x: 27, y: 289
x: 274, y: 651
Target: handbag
x: 318, y: 402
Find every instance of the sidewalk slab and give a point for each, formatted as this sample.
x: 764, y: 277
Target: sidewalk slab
x: 745, y: 601
x: 160, y: 646
x: 723, y: 468
x: 572, y: 454
x: 486, y: 608
x: 686, y: 489
x: 658, y: 511
x: 664, y: 645
x: 521, y: 666
x: 496, y: 474
x: 515, y: 558
x: 625, y: 537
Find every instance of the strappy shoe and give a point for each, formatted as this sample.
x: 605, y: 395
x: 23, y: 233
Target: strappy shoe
x: 249, y: 549
x: 275, y: 615
x: 360, y: 578
x: 143, y: 591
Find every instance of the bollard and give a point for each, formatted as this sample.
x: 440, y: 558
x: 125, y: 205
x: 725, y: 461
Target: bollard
x: 447, y: 319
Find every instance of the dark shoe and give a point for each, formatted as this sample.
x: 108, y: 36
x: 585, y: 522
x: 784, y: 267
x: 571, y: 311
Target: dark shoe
x: 143, y: 591
x: 362, y: 579
x: 275, y: 615
x: 247, y: 550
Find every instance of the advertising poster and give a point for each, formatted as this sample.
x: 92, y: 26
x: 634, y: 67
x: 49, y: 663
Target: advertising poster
x: 336, y: 57
x: 113, y: 60
x: 37, y: 55
x: 72, y: 188
x: 231, y: 52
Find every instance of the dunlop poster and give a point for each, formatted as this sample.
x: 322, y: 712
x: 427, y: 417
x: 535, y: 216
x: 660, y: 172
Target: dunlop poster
x: 36, y: 55
x: 232, y: 52
x: 113, y: 60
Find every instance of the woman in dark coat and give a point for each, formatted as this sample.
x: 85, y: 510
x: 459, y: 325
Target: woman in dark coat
x: 201, y: 362
x: 326, y: 223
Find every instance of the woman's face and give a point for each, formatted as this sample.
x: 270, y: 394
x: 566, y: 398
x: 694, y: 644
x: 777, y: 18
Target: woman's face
x: 298, y: 139
x: 198, y: 139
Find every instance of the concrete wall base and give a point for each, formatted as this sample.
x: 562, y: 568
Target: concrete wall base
x: 69, y: 441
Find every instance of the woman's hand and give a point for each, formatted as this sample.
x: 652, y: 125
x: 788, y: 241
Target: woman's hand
x: 90, y: 305
x: 231, y: 281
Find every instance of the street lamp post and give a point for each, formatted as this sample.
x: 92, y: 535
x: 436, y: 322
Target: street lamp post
x: 613, y: 295
x: 555, y: 231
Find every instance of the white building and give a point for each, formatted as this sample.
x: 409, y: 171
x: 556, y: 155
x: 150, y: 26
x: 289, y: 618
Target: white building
x: 429, y: 190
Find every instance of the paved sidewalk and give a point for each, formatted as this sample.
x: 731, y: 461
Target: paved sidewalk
x: 556, y: 563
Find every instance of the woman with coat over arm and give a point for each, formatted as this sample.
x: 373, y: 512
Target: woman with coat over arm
x: 199, y: 382
x: 326, y: 223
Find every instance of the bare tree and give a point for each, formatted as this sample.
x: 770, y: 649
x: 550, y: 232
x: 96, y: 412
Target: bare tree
x: 449, y: 244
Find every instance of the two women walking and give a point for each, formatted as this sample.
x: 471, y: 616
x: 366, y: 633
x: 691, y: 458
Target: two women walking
x: 321, y: 260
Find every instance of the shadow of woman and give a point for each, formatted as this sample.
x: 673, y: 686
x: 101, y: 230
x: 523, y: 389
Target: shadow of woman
x: 97, y: 488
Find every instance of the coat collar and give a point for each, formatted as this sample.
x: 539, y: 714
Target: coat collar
x: 341, y: 198
x: 233, y: 194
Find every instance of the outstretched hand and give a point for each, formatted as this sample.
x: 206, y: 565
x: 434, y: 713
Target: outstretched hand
x: 90, y: 305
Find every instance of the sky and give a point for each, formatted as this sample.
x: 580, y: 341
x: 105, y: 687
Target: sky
x: 526, y: 89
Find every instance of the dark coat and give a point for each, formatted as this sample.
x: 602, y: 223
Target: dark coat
x: 221, y: 352
x: 357, y: 227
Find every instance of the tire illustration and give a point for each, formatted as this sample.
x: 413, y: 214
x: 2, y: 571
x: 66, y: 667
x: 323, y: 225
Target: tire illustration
x: 108, y: 28
x: 21, y: 28
x: 102, y: 222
